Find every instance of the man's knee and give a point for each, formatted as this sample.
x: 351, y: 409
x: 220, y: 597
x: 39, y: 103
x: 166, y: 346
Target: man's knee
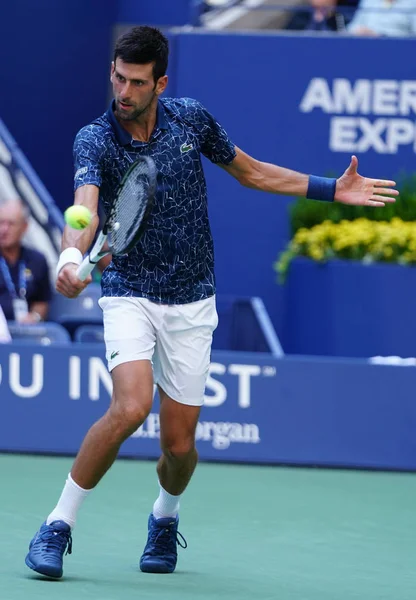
x: 179, y: 449
x: 128, y: 417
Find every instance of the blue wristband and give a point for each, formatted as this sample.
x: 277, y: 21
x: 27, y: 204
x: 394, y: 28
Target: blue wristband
x: 321, y: 188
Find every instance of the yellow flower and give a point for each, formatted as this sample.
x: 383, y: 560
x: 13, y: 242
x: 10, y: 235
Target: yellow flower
x: 381, y: 240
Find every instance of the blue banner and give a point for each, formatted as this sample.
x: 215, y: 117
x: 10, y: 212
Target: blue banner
x: 294, y: 410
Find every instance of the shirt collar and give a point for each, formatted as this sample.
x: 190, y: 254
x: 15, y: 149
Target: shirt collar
x: 161, y: 119
x: 124, y: 136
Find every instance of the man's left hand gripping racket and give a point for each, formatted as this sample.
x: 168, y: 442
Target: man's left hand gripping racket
x: 126, y: 220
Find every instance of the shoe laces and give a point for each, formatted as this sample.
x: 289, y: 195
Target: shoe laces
x: 57, y: 540
x: 165, y: 536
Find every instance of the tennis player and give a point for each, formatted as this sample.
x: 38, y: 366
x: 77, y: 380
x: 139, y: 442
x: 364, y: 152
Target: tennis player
x: 158, y: 301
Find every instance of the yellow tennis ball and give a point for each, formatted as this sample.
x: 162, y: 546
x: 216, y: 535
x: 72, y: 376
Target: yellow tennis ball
x: 77, y: 217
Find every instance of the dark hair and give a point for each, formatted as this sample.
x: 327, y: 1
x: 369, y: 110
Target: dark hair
x: 143, y: 45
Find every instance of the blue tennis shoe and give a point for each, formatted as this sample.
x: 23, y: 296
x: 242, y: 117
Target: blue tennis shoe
x: 160, y: 553
x: 47, y: 548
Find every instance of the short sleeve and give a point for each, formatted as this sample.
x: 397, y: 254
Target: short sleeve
x: 87, y: 151
x: 215, y: 143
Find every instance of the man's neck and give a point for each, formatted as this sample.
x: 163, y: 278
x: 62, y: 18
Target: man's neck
x: 11, y: 255
x: 141, y: 129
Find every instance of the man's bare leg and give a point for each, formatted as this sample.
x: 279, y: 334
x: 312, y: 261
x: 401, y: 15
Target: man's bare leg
x: 179, y: 456
x: 130, y: 405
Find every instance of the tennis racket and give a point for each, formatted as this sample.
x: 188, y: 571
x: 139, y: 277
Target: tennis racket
x: 126, y: 220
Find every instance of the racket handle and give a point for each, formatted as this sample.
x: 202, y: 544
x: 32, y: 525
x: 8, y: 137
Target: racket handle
x: 85, y: 268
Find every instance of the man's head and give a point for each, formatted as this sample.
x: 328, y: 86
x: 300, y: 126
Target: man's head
x: 14, y: 217
x: 138, y: 72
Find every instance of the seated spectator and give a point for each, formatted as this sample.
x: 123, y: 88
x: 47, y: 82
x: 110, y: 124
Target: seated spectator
x: 393, y: 18
x: 327, y: 15
x: 25, y: 289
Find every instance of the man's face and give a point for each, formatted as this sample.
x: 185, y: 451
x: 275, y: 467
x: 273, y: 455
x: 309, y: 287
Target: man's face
x: 134, y: 88
x: 12, y: 225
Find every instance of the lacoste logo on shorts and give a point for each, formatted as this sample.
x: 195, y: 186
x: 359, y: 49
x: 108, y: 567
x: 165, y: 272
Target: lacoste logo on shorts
x: 114, y: 354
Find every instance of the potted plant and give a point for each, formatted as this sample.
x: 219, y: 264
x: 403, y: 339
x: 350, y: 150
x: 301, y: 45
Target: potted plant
x: 349, y: 289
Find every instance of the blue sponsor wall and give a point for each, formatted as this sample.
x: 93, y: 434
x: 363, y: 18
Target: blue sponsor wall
x: 294, y: 410
x: 156, y: 12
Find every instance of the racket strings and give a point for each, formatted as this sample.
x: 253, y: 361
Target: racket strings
x: 130, y: 207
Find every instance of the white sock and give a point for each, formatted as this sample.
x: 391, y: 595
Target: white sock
x: 69, y: 503
x: 166, y: 505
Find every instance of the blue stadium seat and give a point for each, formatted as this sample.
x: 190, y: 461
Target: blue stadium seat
x: 89, y: 334
x: 42, y: 333
x: 74, y: 312
x: 244, y: 326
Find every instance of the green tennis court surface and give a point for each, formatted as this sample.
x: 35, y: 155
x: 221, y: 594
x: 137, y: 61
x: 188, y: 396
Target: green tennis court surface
x: 253, y: 533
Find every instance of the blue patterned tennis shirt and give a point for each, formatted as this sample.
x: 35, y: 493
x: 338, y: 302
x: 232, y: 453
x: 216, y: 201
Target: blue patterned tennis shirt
x: 173, y: 263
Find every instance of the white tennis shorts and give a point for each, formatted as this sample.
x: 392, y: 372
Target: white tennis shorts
x: 176, y: 338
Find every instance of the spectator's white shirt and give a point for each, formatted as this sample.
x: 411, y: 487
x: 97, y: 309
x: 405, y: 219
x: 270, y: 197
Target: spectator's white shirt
x: 4, y: 330
x: 395, y: 19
